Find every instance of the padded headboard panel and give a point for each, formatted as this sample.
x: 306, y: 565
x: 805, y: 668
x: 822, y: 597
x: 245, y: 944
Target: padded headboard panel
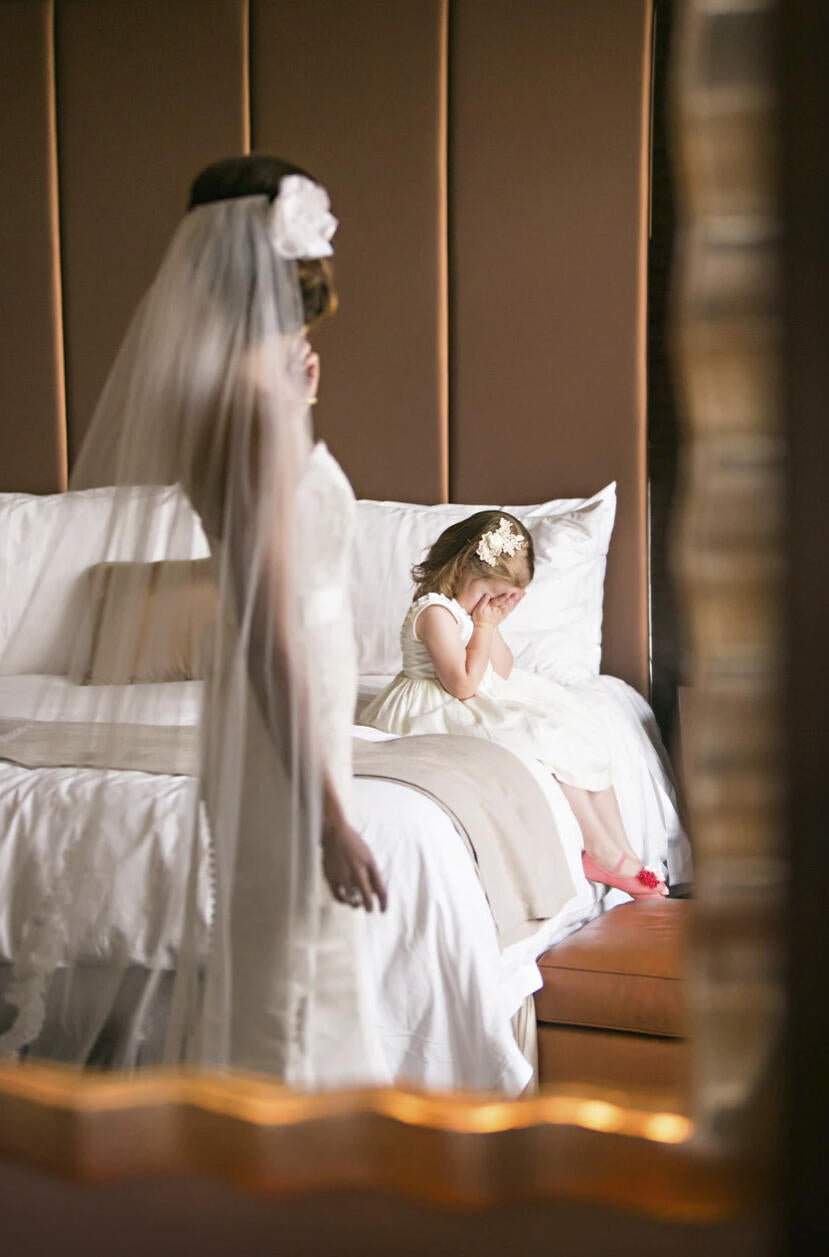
x: 488, y: 162
x: 32, y: 407
x: 549, y: 263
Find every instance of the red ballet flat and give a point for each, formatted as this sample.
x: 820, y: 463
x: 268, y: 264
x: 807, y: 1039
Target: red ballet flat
x: 643, y: 885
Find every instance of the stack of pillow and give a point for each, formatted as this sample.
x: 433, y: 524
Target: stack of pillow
x: 556, y: 630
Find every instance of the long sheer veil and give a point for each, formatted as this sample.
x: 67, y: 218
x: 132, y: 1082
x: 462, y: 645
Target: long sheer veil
x: 169, y: 637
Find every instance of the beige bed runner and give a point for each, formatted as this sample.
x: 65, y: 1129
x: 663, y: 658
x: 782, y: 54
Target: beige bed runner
x: 497, y: 807
x: 492, y: 799
x: 168, y: 750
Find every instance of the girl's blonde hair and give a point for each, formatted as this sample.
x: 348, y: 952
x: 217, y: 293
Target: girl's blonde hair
x: 453, y: 560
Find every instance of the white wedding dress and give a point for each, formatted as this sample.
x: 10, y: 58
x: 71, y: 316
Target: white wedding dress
x: 299, y: 1005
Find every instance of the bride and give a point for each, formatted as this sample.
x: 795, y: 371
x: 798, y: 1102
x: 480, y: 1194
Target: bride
x: 211, y: 391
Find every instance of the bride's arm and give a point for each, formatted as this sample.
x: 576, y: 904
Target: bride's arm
x: 258, y: 568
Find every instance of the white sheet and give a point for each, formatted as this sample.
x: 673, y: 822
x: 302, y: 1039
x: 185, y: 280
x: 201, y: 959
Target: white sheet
x: 445, y: 993
x: 647, y: 803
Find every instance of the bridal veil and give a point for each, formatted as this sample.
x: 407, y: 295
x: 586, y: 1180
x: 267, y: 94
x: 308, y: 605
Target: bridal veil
x: 210, y: 647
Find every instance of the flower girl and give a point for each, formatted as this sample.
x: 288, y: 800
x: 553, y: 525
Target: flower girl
x: 458, y: 677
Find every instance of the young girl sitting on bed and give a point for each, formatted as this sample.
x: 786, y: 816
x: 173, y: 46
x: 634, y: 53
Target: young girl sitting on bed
x: 458, y: 677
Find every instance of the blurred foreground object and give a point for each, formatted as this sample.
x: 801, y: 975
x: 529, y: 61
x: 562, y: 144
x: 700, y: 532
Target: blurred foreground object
x: 729, y: 555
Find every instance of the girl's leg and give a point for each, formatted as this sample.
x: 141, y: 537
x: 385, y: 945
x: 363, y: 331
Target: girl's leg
x: 607, y: 806
x: 602, y: 829
x: 598, y: 841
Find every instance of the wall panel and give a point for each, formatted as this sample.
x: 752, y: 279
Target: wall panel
x: 32, y: 419
x: 547, y: 271
x: 356, y: 93
x: 148, y: 93
x: 522, y: 125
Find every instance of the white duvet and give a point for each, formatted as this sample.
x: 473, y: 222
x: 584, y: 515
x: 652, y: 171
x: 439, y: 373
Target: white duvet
x: 446, y: 994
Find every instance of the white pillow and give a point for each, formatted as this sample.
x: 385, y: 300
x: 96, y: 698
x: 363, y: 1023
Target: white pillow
x: 40, y: 618
x: 556, y: 630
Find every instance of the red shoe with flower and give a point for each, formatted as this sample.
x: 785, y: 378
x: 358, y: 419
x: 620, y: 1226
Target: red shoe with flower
x: 643, y: 885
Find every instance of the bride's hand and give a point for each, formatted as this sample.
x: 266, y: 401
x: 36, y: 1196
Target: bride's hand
x: 349, y: 867
x: 304, y: 367
x: 310, y: 361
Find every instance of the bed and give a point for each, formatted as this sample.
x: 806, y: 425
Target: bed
x: 449, y: 990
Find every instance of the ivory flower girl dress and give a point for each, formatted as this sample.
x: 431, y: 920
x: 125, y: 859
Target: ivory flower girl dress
x: 526, y: 713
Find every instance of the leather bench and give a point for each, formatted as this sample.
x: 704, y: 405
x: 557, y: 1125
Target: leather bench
x: 612, y: 1009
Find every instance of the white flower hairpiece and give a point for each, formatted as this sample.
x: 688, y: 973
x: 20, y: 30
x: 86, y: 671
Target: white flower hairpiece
x: 498, y: 541
x: 301, y: 224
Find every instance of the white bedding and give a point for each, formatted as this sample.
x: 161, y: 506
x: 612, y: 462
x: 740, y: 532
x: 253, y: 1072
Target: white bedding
x: 445, y: 992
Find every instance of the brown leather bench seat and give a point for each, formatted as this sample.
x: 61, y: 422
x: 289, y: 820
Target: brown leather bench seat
x: 612, y: 1008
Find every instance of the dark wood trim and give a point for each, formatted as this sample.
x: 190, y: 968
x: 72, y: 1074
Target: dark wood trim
x: 587, y: 1144
x: 663, y: 430
x: 805, y: 198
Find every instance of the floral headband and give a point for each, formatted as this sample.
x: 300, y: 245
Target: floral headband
x: 499, y: 541
x: 300, y: 222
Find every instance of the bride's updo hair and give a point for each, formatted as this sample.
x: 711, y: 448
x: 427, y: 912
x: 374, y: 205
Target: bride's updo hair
x: 453, y: 559
x: 258, y: 175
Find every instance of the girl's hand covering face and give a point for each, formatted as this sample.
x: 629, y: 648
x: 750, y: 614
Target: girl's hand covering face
x: 491, y: 611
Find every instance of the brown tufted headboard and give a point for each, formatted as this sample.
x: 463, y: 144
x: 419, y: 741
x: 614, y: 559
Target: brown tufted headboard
x: 488, y: 162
